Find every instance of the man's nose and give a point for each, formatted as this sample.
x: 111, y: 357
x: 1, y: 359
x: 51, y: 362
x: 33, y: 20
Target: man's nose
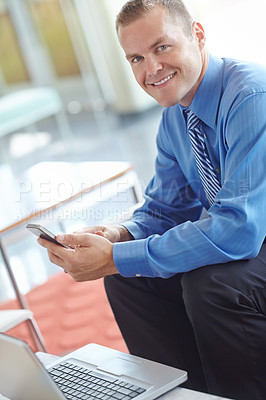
x: 153, y: 65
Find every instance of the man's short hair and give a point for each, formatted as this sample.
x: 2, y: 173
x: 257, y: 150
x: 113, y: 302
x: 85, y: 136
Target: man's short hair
x: 135, y: 9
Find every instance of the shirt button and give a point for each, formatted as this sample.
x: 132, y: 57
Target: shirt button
x: 218, y: 170
x: 138, y: 275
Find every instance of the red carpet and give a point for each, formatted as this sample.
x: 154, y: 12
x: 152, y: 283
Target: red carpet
x: 70, y: 315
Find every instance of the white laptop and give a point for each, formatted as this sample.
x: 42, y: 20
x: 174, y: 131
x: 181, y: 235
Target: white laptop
x: 93, y: 372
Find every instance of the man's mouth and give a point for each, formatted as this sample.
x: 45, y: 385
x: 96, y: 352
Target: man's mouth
x: 164, y: 80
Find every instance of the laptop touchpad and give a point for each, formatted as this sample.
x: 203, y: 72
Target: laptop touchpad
x: 119, y: 366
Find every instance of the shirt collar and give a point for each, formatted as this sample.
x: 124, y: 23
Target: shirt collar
x: 206, y: 99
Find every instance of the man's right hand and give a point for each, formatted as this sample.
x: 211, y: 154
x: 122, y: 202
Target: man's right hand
x: 114, y: 233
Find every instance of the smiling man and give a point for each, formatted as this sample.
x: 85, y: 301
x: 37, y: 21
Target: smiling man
x: 185, y: 290
x: 171, y: 62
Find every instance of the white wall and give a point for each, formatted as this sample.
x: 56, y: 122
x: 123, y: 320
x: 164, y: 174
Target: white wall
x: 234, y: 28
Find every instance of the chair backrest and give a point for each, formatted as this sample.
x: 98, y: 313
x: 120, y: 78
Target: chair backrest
x: 25, y: 107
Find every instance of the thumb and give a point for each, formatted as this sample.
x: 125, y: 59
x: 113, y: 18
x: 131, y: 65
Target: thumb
x: 74, y: 239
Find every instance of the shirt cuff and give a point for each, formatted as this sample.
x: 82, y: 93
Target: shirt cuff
x: 134, y: 229
x: 130, y: 258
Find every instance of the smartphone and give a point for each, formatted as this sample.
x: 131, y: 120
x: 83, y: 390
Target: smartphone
x: 42, y: 232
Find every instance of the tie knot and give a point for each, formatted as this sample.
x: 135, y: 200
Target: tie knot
x: 192, y: 119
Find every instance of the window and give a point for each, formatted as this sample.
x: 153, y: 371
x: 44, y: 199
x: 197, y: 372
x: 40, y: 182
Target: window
x: 51, y: 28
x: 12, y: 64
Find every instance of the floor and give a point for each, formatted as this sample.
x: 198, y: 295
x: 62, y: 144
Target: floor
x: 82, y: 315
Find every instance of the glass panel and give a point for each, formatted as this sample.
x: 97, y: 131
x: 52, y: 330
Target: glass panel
x: 52, y: 30
x: 12, y: 65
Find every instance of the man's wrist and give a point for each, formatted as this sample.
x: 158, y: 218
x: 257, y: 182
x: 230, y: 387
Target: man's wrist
x: 125, y: 235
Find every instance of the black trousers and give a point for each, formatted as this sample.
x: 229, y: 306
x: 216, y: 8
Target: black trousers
x: 210, y: 322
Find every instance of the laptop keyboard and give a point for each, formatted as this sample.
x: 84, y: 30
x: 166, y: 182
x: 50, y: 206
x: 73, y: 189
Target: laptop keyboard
x: 79, y: 383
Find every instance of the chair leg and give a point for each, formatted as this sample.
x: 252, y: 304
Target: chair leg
x: 36, y: 335
x: 33, y: 327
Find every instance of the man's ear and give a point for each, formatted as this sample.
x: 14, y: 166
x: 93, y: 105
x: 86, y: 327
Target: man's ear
x: 199, y: 34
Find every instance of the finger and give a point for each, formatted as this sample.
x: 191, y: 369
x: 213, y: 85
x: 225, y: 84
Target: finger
x: 52, y: 250
x: 75, y: 239
x: 56, y: 253
x: 47, y: 244
x: 111, y: 234
x: 90, y: 229
x: 56, y: 260
x: 100, y: 233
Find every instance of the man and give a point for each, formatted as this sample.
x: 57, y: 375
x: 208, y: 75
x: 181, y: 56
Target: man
x: 190, y: 291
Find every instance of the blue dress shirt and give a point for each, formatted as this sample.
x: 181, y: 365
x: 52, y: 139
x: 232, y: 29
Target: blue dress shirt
x: 170, y: 235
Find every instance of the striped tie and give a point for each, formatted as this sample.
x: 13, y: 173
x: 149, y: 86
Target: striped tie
x: 208, y: 177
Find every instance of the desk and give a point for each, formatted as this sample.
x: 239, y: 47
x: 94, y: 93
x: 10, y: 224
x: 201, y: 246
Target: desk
x: 72, y: 194
x: 175, y: 394
x: 41, y: 191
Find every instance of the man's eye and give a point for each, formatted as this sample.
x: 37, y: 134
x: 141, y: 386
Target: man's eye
x: 163, y: 47
x: 136, y: 59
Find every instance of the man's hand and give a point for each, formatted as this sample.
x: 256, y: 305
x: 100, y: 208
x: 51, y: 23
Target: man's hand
x: 114, y: 233
x: 90, y: 258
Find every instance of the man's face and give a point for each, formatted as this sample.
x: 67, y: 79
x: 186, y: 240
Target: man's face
x: 166, y: 63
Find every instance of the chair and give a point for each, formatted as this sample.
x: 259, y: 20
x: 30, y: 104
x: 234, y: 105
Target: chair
x: 26, y: 107
x: 11, y: 318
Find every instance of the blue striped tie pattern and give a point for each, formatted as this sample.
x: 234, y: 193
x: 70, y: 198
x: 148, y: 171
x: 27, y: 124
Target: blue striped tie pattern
x: 206, y: 171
